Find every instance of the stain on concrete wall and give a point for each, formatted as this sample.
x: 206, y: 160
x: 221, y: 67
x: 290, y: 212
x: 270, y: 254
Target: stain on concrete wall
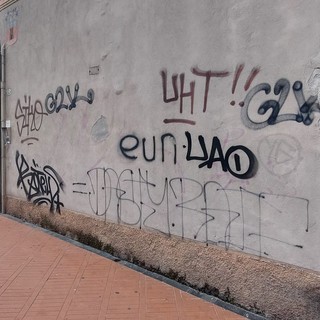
x: 12, y: 26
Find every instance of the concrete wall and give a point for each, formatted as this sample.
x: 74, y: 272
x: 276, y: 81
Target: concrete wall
x: 197, y: 120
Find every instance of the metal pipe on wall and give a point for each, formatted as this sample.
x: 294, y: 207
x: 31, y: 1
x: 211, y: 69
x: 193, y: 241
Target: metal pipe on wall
x: 3, y: 133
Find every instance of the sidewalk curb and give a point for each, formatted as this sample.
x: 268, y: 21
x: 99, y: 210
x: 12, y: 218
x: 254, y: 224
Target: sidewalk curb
x: 228, y: 306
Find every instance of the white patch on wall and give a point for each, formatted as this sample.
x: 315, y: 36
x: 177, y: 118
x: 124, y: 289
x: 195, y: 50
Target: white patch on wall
x: 99, y: 130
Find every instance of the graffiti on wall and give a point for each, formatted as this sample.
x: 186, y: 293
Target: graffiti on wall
x: 30, y: 114
x: 41, y: 186
x: 304, y: 112
x: 238, y: 160
x: 253, y: 73
x: 29, y: 118
x: 182, y: 94
x: 216, y: 215
x: 131, y: 142
x: 56, y: 102
x: 210, y: 153
x: 280, y: 154
x: 208, y: 211
x: 214, y: 153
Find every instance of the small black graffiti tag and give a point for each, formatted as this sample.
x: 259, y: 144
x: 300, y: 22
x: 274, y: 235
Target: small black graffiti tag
x: 40, y: 186
x: 238, y: 160
x: 56, y: 102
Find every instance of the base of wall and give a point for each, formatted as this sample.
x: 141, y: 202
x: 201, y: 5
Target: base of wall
x: 276, y: 290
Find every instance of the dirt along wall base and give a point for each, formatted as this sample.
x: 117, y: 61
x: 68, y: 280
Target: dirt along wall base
x: 278, y: 291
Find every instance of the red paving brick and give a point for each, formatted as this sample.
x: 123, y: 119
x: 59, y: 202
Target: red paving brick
x: 44, y: 278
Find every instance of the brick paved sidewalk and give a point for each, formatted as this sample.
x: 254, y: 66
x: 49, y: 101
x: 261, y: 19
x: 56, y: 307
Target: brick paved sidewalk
x: 45, y: 278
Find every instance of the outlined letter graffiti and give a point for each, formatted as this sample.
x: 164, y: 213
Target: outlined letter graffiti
x: 29, y: 118
x: 40, y: 186
x: 55, y: 102
x: 304, y: 114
